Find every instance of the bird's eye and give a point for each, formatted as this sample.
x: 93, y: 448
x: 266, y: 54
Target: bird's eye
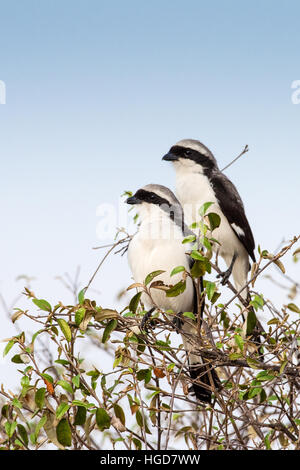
x: 187, y: 152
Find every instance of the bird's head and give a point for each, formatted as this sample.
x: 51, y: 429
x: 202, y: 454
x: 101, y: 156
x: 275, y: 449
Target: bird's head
x: 155, y: 199
x: 191, y: 155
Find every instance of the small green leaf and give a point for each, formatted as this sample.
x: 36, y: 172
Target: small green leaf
x: 102, y: 419
x: 79, y: 315
x: 65, y: 329
x: 10, y: 428
x: 119, y: 413
x: 81, y: 296
x: 189, y: 315
x: 8, y: 347
x: 239, y: 342
x: 61, y: 410
x: 142, y: 422
x: 152, y: 275
x: 178, y: 269
x: 80, y: 417
x: 17, y: 359
x: 189, y: 239
x: 198, y: 269
x: 196, y: 255
x: 210, y: 288
x: 63, y: 433
x: 133, y: 305
x: 42, y: 304
x: 110, y: 327
x: 293, y: 308
x: 176, y: 290
x: 204, y: 207
x: 17, y: 403
x: 23, y: 434
x: 214, y: 221
x: 65, y: 385
x: 144, y: 374
x: 39, y: 397
x: 76, y: 381
x: 251, y: 322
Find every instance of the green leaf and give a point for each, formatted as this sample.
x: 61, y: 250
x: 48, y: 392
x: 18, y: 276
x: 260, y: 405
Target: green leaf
x: 133, y: 305
x: 176, y: 290
x: 189, y: 239
x: 254, y: 391
x: 39, y: 426
x: 110, y: 327
x: 8, y: 347
x: 65, y: 329
x: 65, y: 385
x: 42, y: 304
x: 81, y: 296
x: 63, y: 433
x: 61, y: 410
x: 251, y: 322
x: 79, y: 315
x: 17, y: 359
x: 17, y: 403
x: 210, y: 289
x: 293, y: 308
x: 214, y: 220
x: 76, y: 381
x: 189, y: 315
x: 178, y: 269
x: 39, y: 397
x: 144, y: 374
x: 152, y: 275
x: 204, y: 207
x: 142, y: 422
x: 80, y: 417
x: 239, y: 342
x: 47, y: 377
x: 23, y: 434
x: 102, y: 419
x: 119, y: 413
x: 137, y: 443
x: 10, y: 428
x: 196, y: 255
x: 198, y: 269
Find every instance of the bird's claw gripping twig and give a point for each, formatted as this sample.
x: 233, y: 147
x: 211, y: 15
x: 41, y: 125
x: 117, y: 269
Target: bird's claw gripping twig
x: 145, y: 320
x: 224, y: 276
x: 177, y: 322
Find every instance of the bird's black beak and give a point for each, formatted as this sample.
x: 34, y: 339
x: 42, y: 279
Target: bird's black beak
x: 133, y: 200
x: 170, y: 157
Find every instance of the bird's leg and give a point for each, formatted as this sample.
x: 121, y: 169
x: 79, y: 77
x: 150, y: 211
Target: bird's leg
x: 177, y: 321
x: 146, y: 318
x: 225, y: 275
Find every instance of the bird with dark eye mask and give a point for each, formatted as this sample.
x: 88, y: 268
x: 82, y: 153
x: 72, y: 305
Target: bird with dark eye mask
x: 199, y: 180
x: 158, y: 246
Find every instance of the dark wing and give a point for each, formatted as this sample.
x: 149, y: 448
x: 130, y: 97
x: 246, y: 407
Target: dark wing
x: 233, y: 208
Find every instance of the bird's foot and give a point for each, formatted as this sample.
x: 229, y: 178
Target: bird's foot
x: 146, y: 319
x: 224, y: 276
x: 177, y: 322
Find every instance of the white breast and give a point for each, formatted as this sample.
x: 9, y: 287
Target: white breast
x: 147, y: 254
x: 193, y: 190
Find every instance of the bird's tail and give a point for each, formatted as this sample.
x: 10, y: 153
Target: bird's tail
x: 205, y: 381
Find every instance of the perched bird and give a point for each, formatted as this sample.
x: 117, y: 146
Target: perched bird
x: 158, y: 246
x: 199, y: 180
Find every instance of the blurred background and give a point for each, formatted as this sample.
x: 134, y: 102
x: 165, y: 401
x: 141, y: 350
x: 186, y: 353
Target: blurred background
x: 96, y: 93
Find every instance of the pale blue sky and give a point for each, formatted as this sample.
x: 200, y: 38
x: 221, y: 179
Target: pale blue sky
x: 97, y: 91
